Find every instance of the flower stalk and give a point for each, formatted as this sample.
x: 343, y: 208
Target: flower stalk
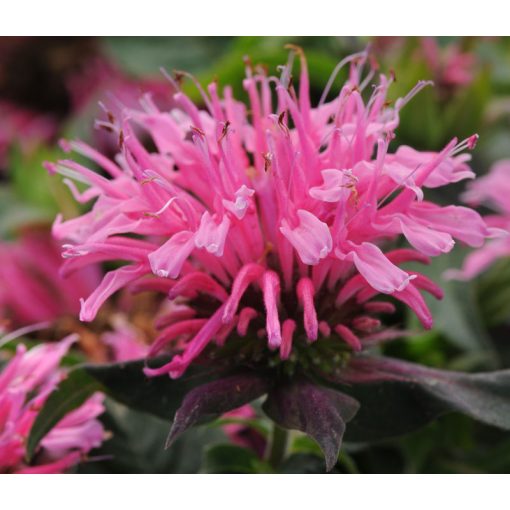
x: 277, y: 446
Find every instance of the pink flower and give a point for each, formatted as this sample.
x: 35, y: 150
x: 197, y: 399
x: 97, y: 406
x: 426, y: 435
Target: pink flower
x: 98, y: 74
x: 70, y: 89
x: 493, y: 190
x: 452, y: 67
x: 31, y: 287
x: 25, y: 383
x: 124, y: 341
x: 242, y: 434
x: 278, y: 206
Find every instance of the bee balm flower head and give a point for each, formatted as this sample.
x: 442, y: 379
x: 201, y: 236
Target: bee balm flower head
x: 275, y: 221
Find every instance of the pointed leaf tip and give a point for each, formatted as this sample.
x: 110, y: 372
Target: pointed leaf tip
x: 211, y: 400
x: 315, y: 410
x: 124, y: 382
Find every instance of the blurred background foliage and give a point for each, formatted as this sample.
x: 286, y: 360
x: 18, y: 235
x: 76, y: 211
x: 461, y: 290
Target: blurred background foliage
x: 50, y: 88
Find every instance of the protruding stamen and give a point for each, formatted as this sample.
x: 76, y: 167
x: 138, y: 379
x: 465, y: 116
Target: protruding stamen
x: 401, y: 102
x: 337, y: 69
x: 18, y: 333
x: 163, y: 209
x: 468, y: 143
x: 89, y: 152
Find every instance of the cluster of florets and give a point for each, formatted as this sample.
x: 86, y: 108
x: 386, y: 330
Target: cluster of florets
x: 25, y: 383
x: 277, y: 220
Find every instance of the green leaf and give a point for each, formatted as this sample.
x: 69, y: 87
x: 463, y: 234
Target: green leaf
x: 310, y: 463
x: 230, y: 68
x: 32, y: 184
x: 125, y: 383
x: 397, y: 397
x: 161, y: 396
x: 304, y: 444
x: 463, y: 115
x: 494, y: 293
x: 451, y: 434
x: 390, y: 409
x: 14, y: 214
x: 303, y: 463
x: 143, y: 56
x: 70, y: 394
x: 228, y: 459
x: 137, y: 445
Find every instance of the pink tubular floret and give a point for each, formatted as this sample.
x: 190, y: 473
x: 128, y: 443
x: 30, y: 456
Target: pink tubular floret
x: 305, y: 292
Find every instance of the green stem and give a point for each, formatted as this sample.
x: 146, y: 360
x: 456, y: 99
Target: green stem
x: 277, y: 446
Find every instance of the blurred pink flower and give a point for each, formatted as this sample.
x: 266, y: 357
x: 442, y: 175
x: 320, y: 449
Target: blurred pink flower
x: 280, y: 204
x: 31, y: 288
x: 25, y: 383
x: 492, y: 190
x: 125, y: 342
x: 242, y: 434
x: 100, y: 74
x: 451, y: 66
x: 76, y: 74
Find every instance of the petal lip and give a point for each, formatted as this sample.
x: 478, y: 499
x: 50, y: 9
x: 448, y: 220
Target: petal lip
x: 311, y: 238
x: 374, y: 266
